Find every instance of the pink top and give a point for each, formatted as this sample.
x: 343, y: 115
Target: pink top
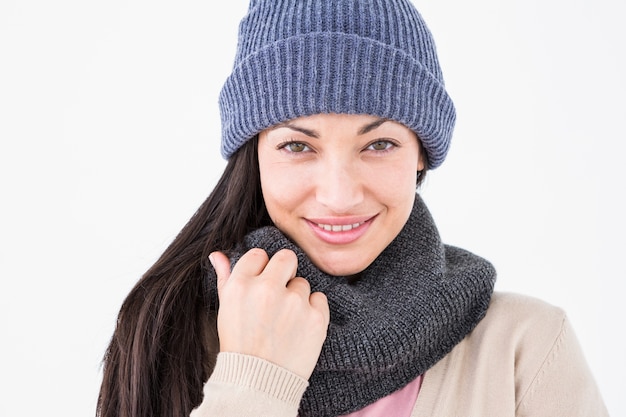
x: 397, y: 404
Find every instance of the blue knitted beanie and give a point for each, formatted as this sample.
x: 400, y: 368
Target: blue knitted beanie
x: 302, y: 57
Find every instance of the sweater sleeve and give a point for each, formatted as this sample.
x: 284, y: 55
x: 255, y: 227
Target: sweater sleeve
x: 564, y: 384
x: 243, y: 385
x: 522, y: 360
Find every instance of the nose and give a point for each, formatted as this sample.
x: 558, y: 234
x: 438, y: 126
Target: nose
x: 339, y: 186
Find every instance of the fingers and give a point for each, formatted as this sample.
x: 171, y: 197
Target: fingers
x: 252, y: 263
x: 282, y: 267
x: 319, y: 303
x: 300, y: 286
x: 221, y: 264
x: 255, y: 263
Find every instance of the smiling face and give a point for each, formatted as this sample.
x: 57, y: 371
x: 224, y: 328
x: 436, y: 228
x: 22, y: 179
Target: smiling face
x: 340, y: 186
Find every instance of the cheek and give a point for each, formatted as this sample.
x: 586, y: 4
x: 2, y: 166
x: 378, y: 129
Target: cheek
x: 282, y: 191
x: 395, y: 182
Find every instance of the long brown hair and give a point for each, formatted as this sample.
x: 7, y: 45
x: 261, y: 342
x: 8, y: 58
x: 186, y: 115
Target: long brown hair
x: 165, y: 343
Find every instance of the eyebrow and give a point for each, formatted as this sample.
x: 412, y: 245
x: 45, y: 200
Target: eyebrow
x: 312, y: 133
x: 308, y: 132
x: 371, y: 126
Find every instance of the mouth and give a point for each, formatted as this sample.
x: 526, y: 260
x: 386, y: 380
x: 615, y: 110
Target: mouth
x: 339, y: 227
x: 340, y: 231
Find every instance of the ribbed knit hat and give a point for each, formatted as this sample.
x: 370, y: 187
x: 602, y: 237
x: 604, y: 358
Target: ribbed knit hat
x: 302, y: 57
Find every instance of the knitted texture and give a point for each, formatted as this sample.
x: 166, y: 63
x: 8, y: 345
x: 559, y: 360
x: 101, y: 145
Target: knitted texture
x: 302, y: 57
x: 407, y: 310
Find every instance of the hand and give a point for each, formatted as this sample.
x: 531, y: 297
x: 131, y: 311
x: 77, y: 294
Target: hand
x: 266, y: 311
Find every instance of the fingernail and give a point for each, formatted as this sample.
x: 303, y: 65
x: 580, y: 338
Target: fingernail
x: 212, y: 260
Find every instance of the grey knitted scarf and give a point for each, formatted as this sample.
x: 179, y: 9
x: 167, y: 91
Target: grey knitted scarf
x: 407, y: 310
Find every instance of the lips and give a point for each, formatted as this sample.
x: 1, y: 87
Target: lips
x: 339, y: 227
x: 342, y: 230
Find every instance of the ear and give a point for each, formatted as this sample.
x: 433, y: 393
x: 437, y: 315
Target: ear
x: 421, y: 154
x: 420, y: 160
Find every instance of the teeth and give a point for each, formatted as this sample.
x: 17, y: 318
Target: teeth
x: 338, y: 227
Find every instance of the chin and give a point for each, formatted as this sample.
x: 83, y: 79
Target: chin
x: 341, y: 269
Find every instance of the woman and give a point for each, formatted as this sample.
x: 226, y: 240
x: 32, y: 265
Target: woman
x: 312, y: 281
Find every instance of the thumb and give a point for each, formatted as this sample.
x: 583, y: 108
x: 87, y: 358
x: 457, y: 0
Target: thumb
x: 221, y: 264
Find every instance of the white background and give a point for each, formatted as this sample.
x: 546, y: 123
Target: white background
x: 109, y: 134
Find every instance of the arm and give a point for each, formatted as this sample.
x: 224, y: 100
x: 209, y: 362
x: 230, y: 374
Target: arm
x: 243, y: 386
x: 563, y: 385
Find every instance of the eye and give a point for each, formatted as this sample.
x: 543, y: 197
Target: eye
x: 294, y: 147
x: 381, y: 145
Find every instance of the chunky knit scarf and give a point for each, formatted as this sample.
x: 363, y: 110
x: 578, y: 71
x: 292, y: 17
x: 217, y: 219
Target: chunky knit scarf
x: 407, y: 310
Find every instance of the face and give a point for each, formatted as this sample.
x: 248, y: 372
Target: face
x: 340, y: 186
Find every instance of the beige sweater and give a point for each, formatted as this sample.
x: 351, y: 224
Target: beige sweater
x: 521, y: 360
